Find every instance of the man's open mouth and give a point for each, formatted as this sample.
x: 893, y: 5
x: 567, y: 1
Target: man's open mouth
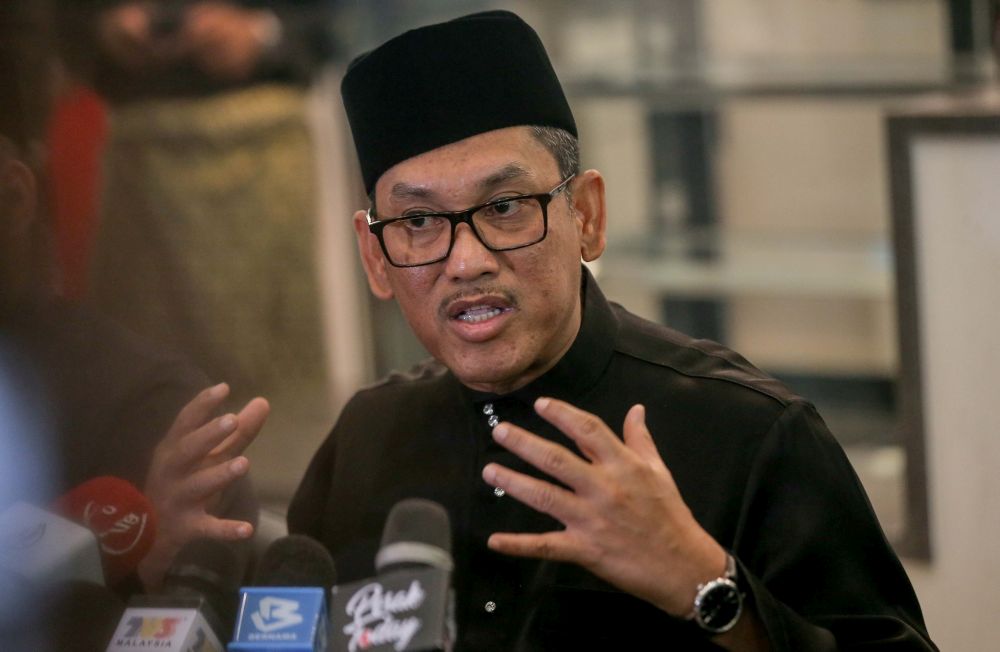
x: 478, y: 307
x: 478, y: 313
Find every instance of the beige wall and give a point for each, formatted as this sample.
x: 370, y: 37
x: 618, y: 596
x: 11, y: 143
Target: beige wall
x: 819, y: 166
x: 800, y: 172
x: 741, y: 30
x: 958, y: 259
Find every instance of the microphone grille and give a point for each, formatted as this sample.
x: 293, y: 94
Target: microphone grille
x: 207, y: 562
x: 416, y: 531
x: 296, y: 560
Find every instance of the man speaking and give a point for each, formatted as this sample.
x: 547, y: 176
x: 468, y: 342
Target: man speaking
x: 610, y: 482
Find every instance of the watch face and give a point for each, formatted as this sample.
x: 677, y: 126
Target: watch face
x: 718, y: 606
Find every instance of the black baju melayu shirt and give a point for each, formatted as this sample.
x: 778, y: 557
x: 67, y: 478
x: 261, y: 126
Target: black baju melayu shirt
x: 754, y: 462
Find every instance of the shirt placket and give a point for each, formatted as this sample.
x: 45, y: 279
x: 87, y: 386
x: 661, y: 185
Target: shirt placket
x: 492, y: 419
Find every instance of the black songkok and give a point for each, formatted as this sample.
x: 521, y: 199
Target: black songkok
x: 438, y: 84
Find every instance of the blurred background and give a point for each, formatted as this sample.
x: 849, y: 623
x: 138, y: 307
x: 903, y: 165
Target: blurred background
x: 807, y: 181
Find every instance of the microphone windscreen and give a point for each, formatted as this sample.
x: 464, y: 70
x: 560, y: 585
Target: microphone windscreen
x: 296, y: 560
x: 205, y: 562
x: 119, y: 515
x: 417, y: 531
x: 211, y: 569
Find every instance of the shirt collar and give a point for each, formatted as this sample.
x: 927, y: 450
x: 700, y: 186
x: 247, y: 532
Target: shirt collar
x: 583, y: 363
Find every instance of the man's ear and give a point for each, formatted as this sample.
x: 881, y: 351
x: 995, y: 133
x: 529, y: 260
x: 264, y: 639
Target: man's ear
x: 371, y: 258
x: 18, y: 195
x: 591, y: 213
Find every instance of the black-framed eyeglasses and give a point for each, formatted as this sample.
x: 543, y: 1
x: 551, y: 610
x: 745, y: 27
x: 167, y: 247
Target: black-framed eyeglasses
x: 501, y: 225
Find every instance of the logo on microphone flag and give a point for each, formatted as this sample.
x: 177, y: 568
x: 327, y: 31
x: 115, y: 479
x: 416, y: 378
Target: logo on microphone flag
x: 119, y: 530
x: 398, y: 611
x: 276, y: 617
x: 276, y: 613
x: 156, y: 628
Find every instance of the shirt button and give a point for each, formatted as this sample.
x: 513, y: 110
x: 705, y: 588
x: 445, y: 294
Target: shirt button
x: 498, y: 492
x: 493, y: 421
x: 488, y: 409
x: 490, y: 607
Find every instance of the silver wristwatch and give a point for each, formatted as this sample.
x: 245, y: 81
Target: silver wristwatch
x: 718, y: 603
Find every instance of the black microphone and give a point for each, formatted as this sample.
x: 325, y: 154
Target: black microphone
x: 296, y: 560
x: 193, y: 609
x: 287, y: 609
x: 210, y: 570
x: 52, y: 583
x: 409, y: 605
x: 77, y: 615
x: 81, y: 616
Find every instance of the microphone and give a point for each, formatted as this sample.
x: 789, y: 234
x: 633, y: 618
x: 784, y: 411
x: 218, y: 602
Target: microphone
x: 99, y: 532
x: 192, y: 610
x: 58, y: 562
x: 287, y: 609
x: 408, y: 606
x: 209, y: 570
x: 296, y: 560
x: 73, y: 615
x: 44, y: 549
x: 119, y: 515
x: 81, y: 616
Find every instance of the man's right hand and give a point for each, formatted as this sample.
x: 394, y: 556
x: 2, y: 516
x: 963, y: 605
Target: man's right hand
x: 198, y: 458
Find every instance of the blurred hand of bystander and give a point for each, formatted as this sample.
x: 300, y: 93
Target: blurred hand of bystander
x: 194, y: 463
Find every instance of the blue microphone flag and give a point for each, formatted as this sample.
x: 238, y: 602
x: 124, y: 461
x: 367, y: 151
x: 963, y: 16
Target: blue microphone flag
x: 279, y: 619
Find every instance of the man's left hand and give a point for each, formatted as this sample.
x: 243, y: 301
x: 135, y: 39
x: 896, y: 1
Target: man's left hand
x: 196, y: 461
x: 625, y: 519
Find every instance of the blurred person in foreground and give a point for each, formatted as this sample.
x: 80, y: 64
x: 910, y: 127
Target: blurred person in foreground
x: 117, y: 404
x: 206, y: 236
x: 611, y: 483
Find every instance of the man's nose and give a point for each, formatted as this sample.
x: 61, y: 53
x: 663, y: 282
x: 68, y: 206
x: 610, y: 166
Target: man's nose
x: 469, y: 257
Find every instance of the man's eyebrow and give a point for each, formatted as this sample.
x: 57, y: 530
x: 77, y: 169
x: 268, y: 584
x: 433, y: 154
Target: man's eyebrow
x: 509, y: 172
x: 403, y: 190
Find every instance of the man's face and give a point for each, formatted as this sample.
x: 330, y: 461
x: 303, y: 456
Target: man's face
x: 496, y: 319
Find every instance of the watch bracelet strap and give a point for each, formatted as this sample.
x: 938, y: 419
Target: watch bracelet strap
x: 730, y: 573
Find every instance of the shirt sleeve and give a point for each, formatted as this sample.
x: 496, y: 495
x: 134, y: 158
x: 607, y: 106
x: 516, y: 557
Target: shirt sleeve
x: 814, y: 560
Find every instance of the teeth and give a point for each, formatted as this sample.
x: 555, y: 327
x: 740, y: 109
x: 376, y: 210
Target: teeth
x: 476, y: 315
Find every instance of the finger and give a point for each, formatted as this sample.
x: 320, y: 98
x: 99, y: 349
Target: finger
x: 211, y: 8
x: 198, y: 410
x: 637, y: 436
x: 557, y: 546
x: 210, y: 527
x: 592, y: 436
x: 544, y: 455
x: 249, y: 423
x: 541, y: 496
x: 202, y: 30
x: 201, y: 12
x: 191, y: 450
x: 201, y: 485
